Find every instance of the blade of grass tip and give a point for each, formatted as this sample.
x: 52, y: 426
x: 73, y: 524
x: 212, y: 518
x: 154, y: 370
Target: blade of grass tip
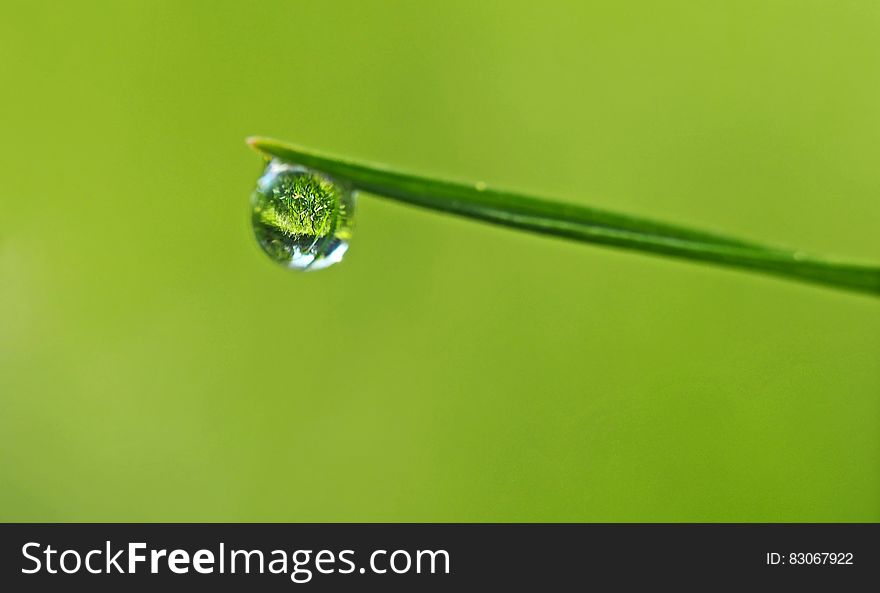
x: 577, y: 222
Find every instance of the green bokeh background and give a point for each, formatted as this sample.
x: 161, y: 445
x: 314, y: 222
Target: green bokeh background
x: 154, y: 365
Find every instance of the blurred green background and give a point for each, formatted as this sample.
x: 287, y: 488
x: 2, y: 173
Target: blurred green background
x: 155, y: 365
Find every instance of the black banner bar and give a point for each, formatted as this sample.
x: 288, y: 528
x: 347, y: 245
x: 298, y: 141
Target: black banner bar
x: 433, y: 557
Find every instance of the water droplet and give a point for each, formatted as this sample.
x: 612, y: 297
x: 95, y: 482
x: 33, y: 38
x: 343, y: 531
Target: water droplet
x: 301, y: 218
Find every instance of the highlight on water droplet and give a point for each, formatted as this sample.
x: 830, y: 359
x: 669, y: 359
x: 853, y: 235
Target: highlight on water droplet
x: 302, y: 219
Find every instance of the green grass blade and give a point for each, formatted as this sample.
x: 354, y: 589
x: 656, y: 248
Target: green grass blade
x: 579, y: 223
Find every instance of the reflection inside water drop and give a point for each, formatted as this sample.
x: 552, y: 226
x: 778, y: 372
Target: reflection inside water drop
x: 301, y: 218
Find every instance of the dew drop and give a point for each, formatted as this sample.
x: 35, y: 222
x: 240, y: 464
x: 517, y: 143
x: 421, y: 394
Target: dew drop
x: 301, y: 218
